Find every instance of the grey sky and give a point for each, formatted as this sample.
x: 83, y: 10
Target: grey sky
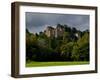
x: 36, y: 22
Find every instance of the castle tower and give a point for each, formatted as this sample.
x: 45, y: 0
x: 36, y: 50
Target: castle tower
x: 50, y: 31
x: 59, y: 31
x: 54, y: 32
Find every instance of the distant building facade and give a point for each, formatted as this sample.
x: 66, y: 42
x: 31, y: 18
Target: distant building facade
x: 54, y: 32
x: 50, y: 31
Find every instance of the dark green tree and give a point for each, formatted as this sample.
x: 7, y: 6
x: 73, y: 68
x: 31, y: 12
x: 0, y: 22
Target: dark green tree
x: 66, y: 51
x: 80, y: 51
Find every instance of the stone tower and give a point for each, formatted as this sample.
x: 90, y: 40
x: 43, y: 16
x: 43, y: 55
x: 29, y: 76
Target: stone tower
x: 54, y: 32
x: 50, y: 31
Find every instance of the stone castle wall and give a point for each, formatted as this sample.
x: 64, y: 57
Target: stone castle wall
x: 54, y: 32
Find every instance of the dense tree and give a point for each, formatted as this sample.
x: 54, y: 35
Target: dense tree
x: 74, y: 30
x: 72, y: 46
x: 66, y: 51
x: 81, y: 49
x: 67, y: 28
x: 75, y: 53
x: 31, y: 45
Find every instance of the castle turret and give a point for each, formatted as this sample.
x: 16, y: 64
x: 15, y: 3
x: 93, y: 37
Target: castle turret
x: 59, y: 31
x: 54, y: 32
x: 50, y: 31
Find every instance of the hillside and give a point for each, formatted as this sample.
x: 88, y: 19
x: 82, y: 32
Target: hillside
x: 62, y: 43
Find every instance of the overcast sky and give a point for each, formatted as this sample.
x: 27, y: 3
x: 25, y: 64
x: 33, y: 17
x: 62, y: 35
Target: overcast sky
x: 36, y: 22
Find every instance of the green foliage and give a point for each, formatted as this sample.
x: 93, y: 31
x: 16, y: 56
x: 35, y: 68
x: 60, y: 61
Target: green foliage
x: 75, y: 53
x: 81, y: 49
x: 69, y: 47
x: 66, y: 50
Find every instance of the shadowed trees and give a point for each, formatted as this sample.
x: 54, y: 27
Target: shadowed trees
x: 72, y: 46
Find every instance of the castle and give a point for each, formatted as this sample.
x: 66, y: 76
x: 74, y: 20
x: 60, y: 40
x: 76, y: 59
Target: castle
x: 54, y: 32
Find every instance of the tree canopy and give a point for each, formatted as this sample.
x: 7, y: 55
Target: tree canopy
x: 69, y: 47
